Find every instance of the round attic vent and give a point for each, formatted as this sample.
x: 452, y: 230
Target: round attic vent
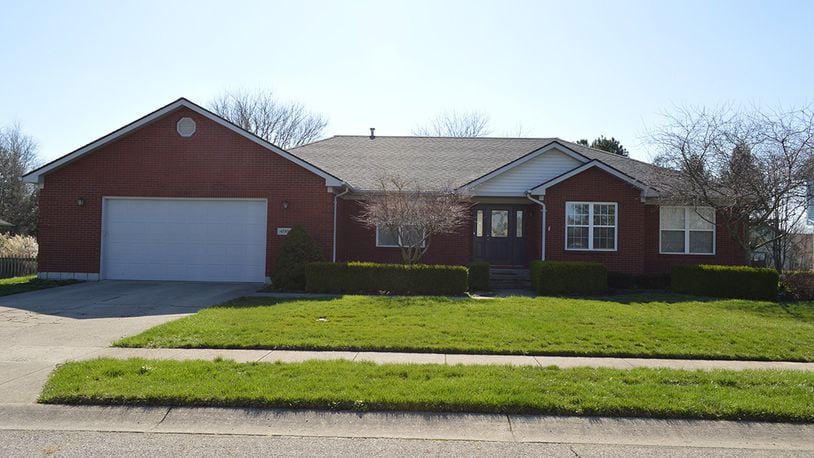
x: 185, y: 127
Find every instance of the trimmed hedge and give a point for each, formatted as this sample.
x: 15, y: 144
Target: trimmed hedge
x: 559, y: 277
x: 725, y: 281
x: 368, y: 277
x: 479, y: 276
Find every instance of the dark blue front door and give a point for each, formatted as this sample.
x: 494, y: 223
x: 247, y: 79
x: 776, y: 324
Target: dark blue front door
x: 499, y: 234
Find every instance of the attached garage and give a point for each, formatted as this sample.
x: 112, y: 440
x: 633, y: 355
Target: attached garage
x: 184, y: 239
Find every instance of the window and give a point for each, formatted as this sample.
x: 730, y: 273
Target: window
x: 500, y: 223
x: 479, y: 224
x: 519, y: 226
x: 687, y: 230
x: 590, y: 226
x: 388, y: 238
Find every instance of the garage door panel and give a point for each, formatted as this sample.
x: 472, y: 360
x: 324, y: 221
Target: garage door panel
x: 182, y: 239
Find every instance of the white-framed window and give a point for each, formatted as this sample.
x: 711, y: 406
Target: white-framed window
x: 686, y: 230
x: 590, y: 226
x: 390, y: 239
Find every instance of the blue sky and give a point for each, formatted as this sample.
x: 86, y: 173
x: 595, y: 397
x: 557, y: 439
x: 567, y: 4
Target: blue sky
x: 74, y: 71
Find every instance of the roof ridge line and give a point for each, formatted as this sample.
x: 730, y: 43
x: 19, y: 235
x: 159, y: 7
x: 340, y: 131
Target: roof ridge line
x: 446, y: 137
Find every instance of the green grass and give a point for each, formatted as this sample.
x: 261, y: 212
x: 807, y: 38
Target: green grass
x: 655, y: 326
x: 344, y: 385
x: 16, y: 285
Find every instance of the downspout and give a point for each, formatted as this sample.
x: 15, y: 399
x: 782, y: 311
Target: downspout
x: 542, y: 218
x: 336, y: 199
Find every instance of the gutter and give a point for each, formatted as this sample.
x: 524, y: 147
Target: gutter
x: 336, y: 199
x: 543, y: 226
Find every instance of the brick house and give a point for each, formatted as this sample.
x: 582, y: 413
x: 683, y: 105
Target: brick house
x: 182, y: 194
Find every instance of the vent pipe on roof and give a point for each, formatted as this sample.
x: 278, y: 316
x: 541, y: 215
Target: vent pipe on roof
x: 372, y: 133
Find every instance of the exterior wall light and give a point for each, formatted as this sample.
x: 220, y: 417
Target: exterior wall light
x: 80, y: 201
x: 285, y: 205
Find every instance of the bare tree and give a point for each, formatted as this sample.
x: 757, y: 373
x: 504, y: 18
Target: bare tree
x: 413, y: 216
x: 18, y: 200
x: 285, y: 124
x: 752, y: 166
x: 455, y: 124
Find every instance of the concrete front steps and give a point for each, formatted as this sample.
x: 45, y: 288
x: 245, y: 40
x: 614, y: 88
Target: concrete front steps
x: 509, y: 278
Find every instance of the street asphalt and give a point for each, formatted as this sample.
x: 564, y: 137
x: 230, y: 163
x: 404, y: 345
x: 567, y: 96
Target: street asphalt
x: 107, y: 444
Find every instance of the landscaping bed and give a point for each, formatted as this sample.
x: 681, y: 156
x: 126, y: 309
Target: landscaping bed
x: 344, y: 385
x: 28, y: 283
x: 649, y: 326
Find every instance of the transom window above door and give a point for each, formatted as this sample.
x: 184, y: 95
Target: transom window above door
x: 590, y: 226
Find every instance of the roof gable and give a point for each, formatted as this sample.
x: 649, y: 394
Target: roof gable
x: 540, y: 189
x: 37, y: 175
x: 517, y: 177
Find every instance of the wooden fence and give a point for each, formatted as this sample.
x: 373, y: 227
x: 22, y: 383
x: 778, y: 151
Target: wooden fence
x: 17, y: 267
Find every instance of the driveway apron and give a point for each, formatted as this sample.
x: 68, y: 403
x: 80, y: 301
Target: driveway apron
x: 41, y: 329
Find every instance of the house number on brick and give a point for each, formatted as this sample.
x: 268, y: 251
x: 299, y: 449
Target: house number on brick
x: 283, y: 230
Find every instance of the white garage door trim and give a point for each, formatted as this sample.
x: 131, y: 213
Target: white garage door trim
x: 257, y: 273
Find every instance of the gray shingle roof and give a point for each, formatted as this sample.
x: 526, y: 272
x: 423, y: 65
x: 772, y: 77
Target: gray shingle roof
x: 439, y: 161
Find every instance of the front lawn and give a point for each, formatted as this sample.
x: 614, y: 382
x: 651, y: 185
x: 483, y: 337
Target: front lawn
x: 654, y: 326
x: 344, y: 385
x: 28, y: 283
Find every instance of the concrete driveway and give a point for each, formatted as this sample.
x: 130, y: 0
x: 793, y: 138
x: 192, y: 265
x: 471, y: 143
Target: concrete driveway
x: 43, y: 328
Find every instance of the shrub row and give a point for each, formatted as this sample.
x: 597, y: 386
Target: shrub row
x: 555, y: 277
x: 725, y: 281
x: 479, y: 276
x: 368, y: 277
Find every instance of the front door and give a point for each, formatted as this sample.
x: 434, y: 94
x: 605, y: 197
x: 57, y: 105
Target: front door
x: 499, y: 234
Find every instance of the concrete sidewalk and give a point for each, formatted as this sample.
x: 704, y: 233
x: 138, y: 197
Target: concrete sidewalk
x: 449, y: 426
x: 290, y: 356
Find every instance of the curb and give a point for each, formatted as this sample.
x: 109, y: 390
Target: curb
x: 408, y: 425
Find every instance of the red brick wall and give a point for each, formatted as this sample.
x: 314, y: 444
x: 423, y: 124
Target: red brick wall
x: 155, y: 161
x: 358, y: 243
x: 727, y: 251
x: 638, y: 228
x: 595, y: 185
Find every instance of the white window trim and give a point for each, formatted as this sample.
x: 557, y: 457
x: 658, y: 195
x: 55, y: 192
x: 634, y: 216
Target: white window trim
x: 687, y: 232
x: 591, y: 226
x: 380, y: 245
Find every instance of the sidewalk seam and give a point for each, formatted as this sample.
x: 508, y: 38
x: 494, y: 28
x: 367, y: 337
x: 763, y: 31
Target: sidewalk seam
x: 30, y: 373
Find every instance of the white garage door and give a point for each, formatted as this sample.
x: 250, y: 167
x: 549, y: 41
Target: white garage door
x: 184, y: 239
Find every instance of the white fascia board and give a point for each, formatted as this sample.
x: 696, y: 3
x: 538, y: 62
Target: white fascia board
x: 523, y: 159
x: 541, y: 189
x: 499, y: 194
x: 36, y: 176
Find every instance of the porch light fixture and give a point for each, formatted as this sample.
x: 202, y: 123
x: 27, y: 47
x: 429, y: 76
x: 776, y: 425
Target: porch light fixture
x: 285, y: 205
x: 80, y: 201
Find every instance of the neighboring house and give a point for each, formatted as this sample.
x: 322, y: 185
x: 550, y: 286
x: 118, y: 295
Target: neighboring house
x: 798, y: 253
x: 182, y: 194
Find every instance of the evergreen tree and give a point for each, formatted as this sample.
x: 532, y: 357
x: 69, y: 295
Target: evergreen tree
x: 298, y: 249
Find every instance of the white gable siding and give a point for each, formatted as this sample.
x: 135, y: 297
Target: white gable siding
x: 522, y: 177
